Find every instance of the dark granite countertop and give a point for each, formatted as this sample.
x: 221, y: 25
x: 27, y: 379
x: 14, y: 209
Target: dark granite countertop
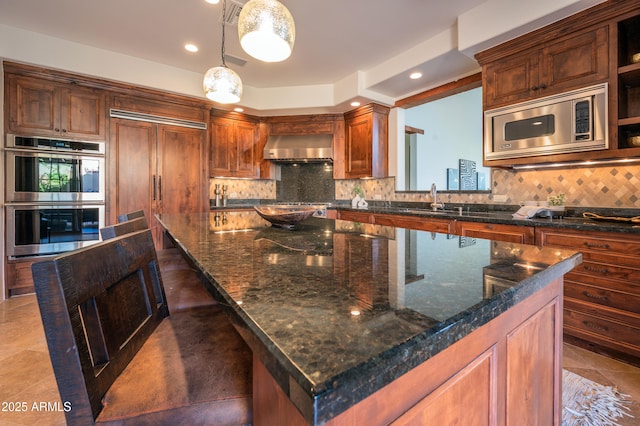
x: 487, y: 213
x: 573, y: 220
x: 322, y: 308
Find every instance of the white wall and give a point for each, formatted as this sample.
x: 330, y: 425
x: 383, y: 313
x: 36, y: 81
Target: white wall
x: 452, y: 131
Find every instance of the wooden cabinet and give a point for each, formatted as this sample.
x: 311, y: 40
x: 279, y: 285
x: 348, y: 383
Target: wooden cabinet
x: 366, y: 142
x: 571, y: 62
x: 629, y: 84
x: 497, y: 232
x: 593, y: 46
x: 353, y: 216
x: 420, y: 223
x: 158, y: 168
x: 444, y: 226
x: 38, y: 107
x: 233, y: 147
x: 602, y: 295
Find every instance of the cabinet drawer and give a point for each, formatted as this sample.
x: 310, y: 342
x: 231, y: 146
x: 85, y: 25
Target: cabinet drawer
x: 497, y: 232
x: 623, y: 335
x: 607, y: 271
x: 444, y: 226
x: 616, y: 249
x: 355, y: 216
x: 601, y: 295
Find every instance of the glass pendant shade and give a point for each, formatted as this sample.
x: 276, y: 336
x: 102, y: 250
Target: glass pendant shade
x: 266, y: 30
x: 222, y: 85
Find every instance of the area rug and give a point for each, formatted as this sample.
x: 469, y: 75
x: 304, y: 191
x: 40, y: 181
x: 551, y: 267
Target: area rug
x: 587, y: 403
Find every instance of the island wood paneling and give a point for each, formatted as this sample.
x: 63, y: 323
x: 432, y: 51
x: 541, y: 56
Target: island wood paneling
x: 481, y: 377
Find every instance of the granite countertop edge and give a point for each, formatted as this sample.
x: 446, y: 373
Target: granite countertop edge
x: 362, y: 381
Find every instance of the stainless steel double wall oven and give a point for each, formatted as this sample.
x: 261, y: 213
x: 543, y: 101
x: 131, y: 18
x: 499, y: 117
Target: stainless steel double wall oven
x: 55, y: 194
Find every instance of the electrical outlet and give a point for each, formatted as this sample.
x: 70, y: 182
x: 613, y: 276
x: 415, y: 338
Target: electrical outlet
x: 500, y: 198
x: 233, y: 195
x: 377, y: 197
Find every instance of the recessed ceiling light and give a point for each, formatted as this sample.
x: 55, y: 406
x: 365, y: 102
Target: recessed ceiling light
x: 212, y: 1
x: 355, y: 103
x: 191, y: 47
x: 415, y: 75
x: 238, y: 109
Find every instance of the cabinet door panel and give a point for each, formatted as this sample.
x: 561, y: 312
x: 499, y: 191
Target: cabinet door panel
x: 536, y: 339
x: 576, y: 61
x: 245, y: 136
x: 358, y: 147
x: 83, y: 113
x: 510, y: 80
x: 452, y: 403
x: 182, y: 188
x: 133, y: 147
x: 33, y: 106
x: 221, y: 153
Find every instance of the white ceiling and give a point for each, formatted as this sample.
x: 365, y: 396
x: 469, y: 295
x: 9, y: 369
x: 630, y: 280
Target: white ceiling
x: 369, y: 44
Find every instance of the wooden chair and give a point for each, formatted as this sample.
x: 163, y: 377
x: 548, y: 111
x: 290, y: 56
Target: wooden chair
x: 169, y: 258
x: 183, y: 286
x: 117, y: 355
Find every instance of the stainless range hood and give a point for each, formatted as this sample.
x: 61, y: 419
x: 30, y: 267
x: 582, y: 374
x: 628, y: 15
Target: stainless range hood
x: 299, y: 148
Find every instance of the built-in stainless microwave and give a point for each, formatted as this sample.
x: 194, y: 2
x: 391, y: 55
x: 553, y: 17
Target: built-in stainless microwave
x: 569, y: 122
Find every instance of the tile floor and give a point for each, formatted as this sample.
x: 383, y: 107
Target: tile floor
x: 27, y: 382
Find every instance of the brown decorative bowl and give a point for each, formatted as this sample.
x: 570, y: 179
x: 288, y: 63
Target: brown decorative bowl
x: 285, y: 216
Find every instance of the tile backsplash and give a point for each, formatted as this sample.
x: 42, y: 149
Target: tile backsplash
x: 608, y: 187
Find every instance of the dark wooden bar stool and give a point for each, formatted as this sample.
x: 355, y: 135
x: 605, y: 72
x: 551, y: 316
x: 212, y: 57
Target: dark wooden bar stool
x: 120, y: 358
x: 182, y: 283
x: 169, y: 258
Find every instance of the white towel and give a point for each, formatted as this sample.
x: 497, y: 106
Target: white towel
x: 527, y: 212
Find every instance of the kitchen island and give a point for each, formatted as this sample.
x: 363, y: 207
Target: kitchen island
x: 358, y: 323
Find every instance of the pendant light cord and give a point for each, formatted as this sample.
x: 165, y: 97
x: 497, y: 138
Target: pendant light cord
x: 224, y: 17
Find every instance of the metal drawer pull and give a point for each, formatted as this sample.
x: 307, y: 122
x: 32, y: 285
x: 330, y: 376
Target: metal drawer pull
x: 601, y: 246
x: 592, y: 269
x: 595, y: 326
x: 595, y: 296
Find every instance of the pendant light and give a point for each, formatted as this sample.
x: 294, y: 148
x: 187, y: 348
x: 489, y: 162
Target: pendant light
x: 266, y: 30
x: 221, y: 84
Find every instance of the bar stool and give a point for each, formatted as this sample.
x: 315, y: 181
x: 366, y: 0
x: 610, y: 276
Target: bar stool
x: 183, y: 284
x: 117, y: 354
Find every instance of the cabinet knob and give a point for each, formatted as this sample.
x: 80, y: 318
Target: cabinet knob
x: 543, y: 86
x: 535, y: 88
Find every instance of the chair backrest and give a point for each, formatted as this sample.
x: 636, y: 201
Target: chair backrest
x: 131, y: 215
x: 124, y: 228
x: 98, y: 306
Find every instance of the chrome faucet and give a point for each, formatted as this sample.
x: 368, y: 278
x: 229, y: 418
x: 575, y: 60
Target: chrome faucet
x: 435, y: 205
